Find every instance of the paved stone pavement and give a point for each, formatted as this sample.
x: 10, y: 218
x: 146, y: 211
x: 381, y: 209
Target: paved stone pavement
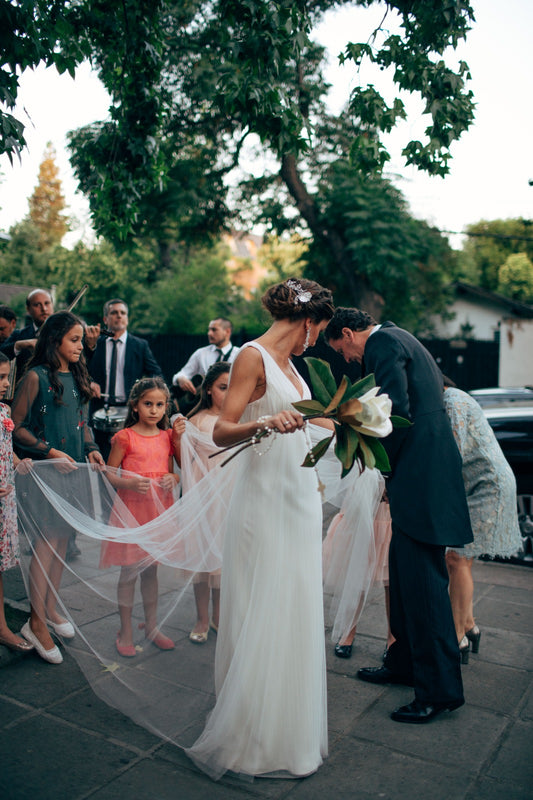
x: 58, y: 741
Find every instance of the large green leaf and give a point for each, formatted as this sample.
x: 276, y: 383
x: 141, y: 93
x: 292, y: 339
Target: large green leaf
x: 346, y: 448
x: 367, y: 453
x: 380, y: 454
x: 400, y: 422
x: 360, y: 387
x: 337, y: 397
x: 317, y: 451
x: 308, y: 407
x: 322, y: 380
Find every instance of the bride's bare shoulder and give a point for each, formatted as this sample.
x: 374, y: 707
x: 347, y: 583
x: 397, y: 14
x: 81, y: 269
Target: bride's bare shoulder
x: 248, y: 357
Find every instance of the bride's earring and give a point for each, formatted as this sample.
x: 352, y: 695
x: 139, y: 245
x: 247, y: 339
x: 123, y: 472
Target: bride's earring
x: 307, y: 337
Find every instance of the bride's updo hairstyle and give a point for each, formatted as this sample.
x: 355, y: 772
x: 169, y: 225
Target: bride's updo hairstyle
x: 298, y: 298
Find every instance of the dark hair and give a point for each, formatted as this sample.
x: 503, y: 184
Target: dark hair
x: 226, y: 323
x: 352, y: 318
x: 139, y: 388
x: 213, y: 373
x: 51, y: 334
x: 114, y: 302
x: 3, y: 358
x: 290, y: 300
x: 8, y: 313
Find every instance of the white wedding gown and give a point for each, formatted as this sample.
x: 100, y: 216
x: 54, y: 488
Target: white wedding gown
x: 270, y: 716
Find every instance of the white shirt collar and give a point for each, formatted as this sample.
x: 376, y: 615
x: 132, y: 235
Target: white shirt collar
x: 122, y: 338
x: 224, y: 349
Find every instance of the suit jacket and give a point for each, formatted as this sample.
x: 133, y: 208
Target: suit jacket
x: 8, y: 348
x: 425, y: 487
x: 139, y: 362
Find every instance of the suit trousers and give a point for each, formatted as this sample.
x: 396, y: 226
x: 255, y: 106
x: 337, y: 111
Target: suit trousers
x: 426, y: 649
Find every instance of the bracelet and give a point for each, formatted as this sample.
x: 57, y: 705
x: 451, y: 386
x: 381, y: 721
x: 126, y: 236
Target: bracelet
x: 261, y: 433
x: 261, y: 421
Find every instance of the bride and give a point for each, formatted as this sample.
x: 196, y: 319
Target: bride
x: 270, y: 713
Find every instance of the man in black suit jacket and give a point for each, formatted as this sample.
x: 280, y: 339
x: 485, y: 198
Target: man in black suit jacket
x: 428, y: 510
x: 8, y: 323
x: 39, y: 306
x: 134, y: 360
x: 21, y: 344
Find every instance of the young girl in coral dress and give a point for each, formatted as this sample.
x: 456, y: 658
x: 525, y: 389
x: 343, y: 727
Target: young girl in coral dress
x: 143, y: 447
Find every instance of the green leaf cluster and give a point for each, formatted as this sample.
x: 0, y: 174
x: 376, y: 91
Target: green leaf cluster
x: 430, y: 27
x: 488, y: 246
x: 350, y: 444
x: 515, y: 278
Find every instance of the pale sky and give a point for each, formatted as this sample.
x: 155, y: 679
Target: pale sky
x: 492, y: 162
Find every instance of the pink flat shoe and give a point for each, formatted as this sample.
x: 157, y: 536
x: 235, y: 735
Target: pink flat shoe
x: 125, y: 650
x: 161, y: 641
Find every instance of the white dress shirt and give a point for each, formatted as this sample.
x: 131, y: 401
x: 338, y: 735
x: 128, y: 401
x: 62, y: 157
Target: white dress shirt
x: 120, y: 391
x: 202, y: 359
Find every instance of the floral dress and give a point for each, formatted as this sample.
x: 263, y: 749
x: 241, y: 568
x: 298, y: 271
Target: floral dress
x: 8, y: 505
x: 489, y: 481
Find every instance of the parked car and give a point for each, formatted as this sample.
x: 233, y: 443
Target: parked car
x: 513, y: 428
x: 503, y: 395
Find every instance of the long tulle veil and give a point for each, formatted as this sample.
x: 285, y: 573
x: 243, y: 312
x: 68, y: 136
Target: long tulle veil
x: 159, y: 689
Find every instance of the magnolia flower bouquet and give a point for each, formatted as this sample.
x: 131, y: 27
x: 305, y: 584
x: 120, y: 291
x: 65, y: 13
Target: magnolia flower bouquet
x: 361, y: 417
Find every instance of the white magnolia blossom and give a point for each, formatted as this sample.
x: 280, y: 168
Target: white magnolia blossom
x: 375, y: 413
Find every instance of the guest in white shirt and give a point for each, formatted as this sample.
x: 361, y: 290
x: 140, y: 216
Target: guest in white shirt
x: 219, y: 348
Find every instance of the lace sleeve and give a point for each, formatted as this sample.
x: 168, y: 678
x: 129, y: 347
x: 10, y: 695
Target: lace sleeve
x: 458, y: 412
x: 21, y: 414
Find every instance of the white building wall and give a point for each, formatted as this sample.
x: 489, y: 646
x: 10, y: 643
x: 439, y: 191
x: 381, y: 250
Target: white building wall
x: 516, y: 353
x: 484, y: 320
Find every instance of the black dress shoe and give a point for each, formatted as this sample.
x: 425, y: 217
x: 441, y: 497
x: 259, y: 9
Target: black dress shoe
x: 418, y: 713
x: 343, y: 650
x: 382, y: 675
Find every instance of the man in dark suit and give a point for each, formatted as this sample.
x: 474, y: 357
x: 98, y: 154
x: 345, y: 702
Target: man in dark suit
x: 115, y: 363
x: 8, y: 323
x: 21, y: 343
x: 428, y: 510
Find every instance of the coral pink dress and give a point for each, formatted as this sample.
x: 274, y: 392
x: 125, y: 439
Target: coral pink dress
x: 147, y: 456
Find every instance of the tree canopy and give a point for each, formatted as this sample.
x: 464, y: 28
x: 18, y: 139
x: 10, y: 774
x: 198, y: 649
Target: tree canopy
x: 489, y: 244
x: 47, y: 203
x: 194, y: 84
x: 515, y: 278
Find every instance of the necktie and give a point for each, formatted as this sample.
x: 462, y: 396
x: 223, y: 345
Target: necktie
x: 113, y: 372
x: 219, y: 357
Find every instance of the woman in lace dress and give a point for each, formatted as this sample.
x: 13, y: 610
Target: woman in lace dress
x: 491, y: 496
x: 270, y: 677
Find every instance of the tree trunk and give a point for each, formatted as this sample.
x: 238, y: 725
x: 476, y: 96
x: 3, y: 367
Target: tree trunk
x: 361, y: 293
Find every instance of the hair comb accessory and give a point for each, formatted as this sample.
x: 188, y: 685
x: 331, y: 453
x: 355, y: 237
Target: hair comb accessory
x: 301, y: 295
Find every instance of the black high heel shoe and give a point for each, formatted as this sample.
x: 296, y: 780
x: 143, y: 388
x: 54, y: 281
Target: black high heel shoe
x: 343, y: 650
x: 474, y: 635
x: 464, y: 649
